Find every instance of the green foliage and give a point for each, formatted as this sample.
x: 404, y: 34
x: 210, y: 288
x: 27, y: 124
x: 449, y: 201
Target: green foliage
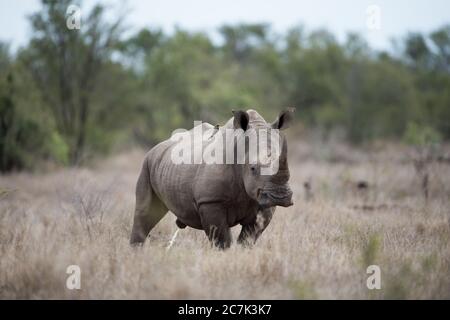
x: 24, y: 139
x: 91, y: 90
x: 66, y: 67
x: 420, y: 136
x: 57, y: 147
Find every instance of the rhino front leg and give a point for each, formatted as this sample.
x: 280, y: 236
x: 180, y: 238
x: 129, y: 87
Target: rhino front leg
x: 215, y: 225
x: 251, y: 232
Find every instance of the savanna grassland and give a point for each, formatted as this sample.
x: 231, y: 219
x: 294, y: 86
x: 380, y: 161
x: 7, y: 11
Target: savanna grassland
x: 353, y: 208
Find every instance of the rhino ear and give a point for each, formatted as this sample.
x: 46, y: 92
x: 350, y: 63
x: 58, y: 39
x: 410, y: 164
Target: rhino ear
x: 284, y: 119
x: 241, y: 119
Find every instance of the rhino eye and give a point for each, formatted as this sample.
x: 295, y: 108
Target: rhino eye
x: 254, y: 169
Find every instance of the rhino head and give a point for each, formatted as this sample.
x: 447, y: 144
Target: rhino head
x: 268, y: 187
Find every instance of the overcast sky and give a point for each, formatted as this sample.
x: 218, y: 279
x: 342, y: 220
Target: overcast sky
x: 340, y: 17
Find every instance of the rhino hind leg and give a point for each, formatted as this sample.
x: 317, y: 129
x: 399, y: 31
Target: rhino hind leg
x: 252, y: 231
x: 149, y: 208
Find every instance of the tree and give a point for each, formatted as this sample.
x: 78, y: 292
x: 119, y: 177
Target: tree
x: 239, y: 40
x: 25, y: 135
x: 441, y: 39
x: 66, y: 66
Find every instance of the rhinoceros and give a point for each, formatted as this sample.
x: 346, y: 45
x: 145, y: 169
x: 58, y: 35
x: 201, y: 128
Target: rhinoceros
x: 214, y: 196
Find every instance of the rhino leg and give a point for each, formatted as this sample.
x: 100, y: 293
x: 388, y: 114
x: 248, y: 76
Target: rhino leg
x: 215, y: 225
x: 149, y: 208
x: 251, y: 232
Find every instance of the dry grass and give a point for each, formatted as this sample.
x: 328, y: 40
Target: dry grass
x: 319, y: 248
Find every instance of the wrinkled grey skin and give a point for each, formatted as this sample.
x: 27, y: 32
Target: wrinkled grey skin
x: 212, y: 197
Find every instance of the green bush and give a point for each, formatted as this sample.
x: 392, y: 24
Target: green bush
x: 24, y: 139
x: 421, y: 135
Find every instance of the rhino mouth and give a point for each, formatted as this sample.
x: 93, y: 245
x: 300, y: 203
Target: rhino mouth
x: 279, y: 196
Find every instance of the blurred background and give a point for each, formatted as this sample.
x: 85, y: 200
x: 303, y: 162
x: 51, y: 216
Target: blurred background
x: 358, y: 72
